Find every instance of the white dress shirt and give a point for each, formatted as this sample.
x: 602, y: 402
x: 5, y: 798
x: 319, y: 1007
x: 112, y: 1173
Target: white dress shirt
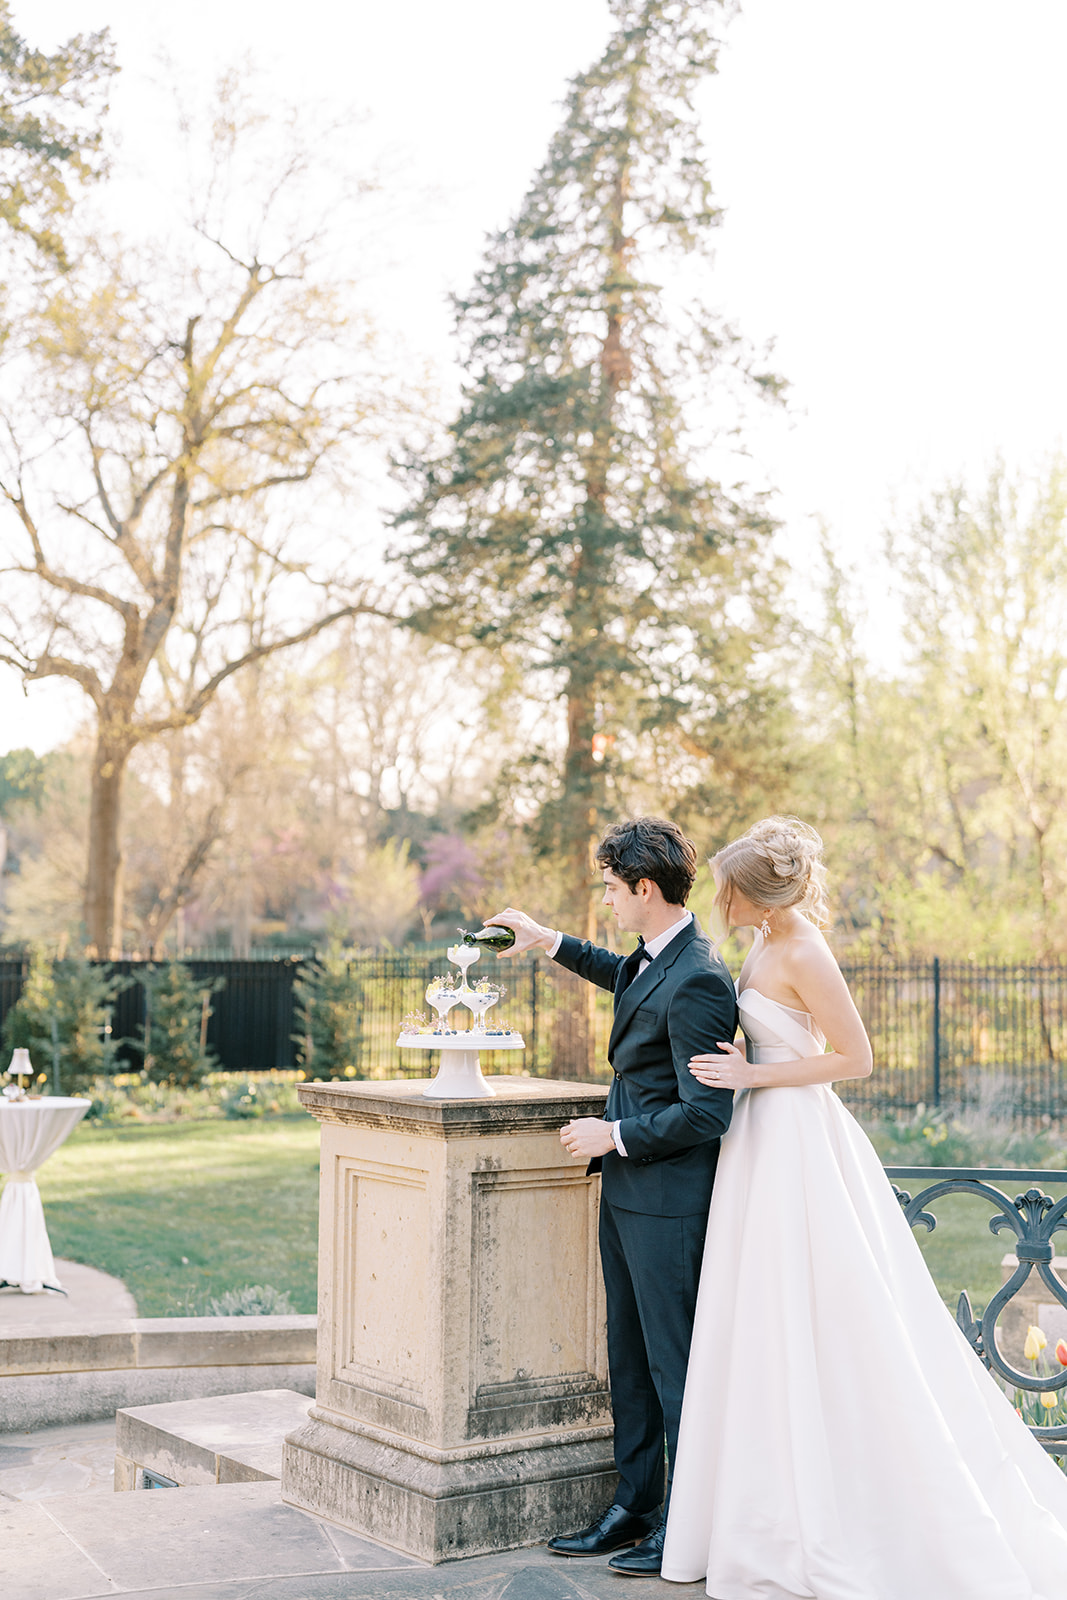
x: 652, y: 950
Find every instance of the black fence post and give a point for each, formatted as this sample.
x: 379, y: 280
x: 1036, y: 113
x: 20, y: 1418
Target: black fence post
x: 937, y: 1030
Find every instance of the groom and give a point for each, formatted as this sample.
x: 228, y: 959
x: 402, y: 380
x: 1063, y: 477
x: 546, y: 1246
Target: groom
x: 656, y: 1147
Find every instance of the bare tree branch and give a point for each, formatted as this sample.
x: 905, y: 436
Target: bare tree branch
x: 183, y: 393
x: 48, y: 574
x: 250, y: 490
x: 194, y: 709
x: 49, y: 666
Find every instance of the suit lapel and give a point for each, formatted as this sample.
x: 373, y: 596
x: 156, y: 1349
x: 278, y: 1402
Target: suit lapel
x: 641, y: 987
x: 627, y: 970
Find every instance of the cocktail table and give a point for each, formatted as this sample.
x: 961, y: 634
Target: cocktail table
x: 30, y: 1131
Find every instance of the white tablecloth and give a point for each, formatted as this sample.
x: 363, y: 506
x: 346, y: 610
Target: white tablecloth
x: 30, y: 1130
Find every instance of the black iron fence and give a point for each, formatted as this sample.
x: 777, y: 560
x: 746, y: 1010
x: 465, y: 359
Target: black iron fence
x: 255, y: 1021
x: 940, y: 1030
x: 253, y: 1014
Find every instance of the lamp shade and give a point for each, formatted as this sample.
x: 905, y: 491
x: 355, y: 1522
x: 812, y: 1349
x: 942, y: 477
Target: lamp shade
x: 20, y: 1064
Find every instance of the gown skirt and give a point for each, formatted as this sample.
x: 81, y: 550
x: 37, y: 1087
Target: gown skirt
x: 840, y: 1440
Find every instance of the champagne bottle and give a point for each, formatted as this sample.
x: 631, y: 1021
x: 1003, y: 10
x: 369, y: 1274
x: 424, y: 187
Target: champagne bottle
x: 495, y: 937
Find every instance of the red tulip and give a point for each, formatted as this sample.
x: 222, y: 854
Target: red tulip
x: 1061, y: 1352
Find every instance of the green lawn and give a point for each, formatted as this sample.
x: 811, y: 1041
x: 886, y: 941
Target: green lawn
x: 183, y: 1211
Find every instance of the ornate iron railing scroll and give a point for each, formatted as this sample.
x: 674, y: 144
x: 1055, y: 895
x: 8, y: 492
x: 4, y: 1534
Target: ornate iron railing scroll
x: 1034, y: 1218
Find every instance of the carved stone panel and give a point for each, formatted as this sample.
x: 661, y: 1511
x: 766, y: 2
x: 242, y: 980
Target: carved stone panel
x: 381, y: 1256
x: 536, y: 1308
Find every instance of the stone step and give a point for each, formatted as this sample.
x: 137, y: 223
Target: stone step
x: 56, y: 1370
x: 241, y: 1542
x: 233, y: 1541
x: 229, y: 1438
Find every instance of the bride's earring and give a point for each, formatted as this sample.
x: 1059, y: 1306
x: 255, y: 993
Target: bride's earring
x: 765, y: 927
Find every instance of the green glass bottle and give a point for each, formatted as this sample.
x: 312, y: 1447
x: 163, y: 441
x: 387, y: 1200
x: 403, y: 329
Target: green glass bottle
x: 495, y: 937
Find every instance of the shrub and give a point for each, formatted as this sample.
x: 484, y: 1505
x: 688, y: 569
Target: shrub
x: 329, y: 1003
x: 63, y: 1017
x: 963, y: 1136
x: 257, y: 1300
x: 129, y: 1098
x: 173, y: 1035
x: 242, y: 1100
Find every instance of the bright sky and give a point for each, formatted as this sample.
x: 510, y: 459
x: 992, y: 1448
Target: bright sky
x: 893, y: 179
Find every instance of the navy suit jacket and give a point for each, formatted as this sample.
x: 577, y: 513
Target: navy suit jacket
x: 682, y: 1005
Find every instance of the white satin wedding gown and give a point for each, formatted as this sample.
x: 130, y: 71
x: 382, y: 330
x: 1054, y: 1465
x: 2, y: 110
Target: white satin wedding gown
x: 839, y: 1438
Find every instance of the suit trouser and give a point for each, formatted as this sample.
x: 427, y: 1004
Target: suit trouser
x: 651, y: 1272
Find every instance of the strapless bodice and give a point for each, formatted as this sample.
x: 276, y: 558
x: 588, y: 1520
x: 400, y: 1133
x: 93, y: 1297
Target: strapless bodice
x: 774, y: 1032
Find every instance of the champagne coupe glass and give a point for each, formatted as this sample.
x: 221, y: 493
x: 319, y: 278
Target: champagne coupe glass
x: 463, y: 956
x: 442, y: 995
x: 481, y: 997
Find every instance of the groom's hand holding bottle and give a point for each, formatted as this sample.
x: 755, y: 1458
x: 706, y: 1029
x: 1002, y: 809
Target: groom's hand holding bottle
x: 585, y: 1137
x: 529, y: 935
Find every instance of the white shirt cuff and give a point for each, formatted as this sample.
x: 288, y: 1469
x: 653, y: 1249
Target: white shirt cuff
x: 557, y: 941
x: 616, y: 1135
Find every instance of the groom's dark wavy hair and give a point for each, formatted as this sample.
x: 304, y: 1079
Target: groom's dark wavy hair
x: 650, y: 847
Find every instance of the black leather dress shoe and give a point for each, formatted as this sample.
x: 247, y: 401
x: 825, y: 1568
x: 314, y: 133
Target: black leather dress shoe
x: 645, y: 1559
x: 617, y: 1528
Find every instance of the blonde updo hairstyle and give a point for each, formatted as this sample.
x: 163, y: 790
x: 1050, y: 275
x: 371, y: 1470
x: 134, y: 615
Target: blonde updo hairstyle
x: 777, y: 865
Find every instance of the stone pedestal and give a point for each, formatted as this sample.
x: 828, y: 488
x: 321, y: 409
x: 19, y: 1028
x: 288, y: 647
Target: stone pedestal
x: 462, y: 1399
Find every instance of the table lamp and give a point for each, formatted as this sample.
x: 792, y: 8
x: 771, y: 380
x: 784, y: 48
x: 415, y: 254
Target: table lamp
x: 20, y: 1068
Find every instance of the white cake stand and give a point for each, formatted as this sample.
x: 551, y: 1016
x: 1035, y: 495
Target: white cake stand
x: 459, y: 1076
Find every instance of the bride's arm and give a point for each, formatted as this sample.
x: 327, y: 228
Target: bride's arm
x: 815, y: 975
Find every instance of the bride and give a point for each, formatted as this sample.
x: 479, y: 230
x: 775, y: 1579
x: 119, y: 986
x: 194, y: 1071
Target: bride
x: 839, y: 1438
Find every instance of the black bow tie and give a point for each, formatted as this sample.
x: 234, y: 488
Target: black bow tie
x: 628, y: 968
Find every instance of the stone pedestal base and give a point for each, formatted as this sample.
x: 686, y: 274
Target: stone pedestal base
x: 439, y: 1510
x: 462, y: 1401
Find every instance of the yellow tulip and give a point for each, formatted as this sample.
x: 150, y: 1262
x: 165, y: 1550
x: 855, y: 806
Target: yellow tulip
x: 1050, y: 1401
x: 1035, y: 1343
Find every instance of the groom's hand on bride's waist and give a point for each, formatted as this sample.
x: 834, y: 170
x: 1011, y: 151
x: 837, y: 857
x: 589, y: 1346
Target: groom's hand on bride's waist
x: 587, y: 1137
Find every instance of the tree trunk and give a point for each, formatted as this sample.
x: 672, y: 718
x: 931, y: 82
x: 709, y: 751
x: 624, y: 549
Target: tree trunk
x: 173, y: 894
x: 103, y: 883
x: 579, y: 835
x: 580, y: 818
x: 582, y: 782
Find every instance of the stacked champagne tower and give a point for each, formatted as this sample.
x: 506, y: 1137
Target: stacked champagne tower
x: 459, y: 1075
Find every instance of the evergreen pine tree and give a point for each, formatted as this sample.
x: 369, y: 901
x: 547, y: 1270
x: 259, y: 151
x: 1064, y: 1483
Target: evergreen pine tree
x: 27, y: 1025
x: 50, y: 110
x: 574, y: 520
x: 63, y: 1017
x: 329, y: 1007
x: 177, y: 1008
